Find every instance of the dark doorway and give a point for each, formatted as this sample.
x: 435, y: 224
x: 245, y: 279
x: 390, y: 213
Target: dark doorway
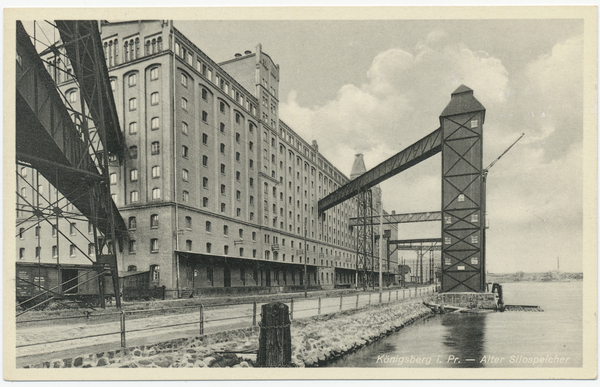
x: 268, y: 277
x: 69, y: 280
x: 227, y: 277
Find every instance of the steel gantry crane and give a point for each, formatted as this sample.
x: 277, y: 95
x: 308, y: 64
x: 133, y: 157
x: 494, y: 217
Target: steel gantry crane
x: 460, y: 140
x: 463, y: 214
x: 69, y: 146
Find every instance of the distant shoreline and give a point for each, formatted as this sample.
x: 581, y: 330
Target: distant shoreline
x: 552, y: 276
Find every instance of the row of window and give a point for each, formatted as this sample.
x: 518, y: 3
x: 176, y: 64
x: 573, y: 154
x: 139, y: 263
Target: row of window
x: 474, y: 219
x: 154, y: 223
x: 207, y: 72
x: 134, y: 195
x: 154, y: 248
x: 208, y: 228
x: 73, y: 230
x: 474, y: 240
x: 72, y: 251
x: 132, y: 79
x: 131, y: 49
x: 134, y: 198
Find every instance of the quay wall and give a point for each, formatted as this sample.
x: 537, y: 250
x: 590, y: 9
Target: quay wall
x: 467, y: 300
x: 315, y: 340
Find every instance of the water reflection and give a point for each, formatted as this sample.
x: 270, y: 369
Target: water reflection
x: 499, y: 339
x: 464, y: 339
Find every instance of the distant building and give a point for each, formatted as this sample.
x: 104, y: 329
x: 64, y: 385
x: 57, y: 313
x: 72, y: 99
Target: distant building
x: 216, y: 190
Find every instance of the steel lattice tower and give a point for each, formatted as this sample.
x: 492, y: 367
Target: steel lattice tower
x: 364, y: 237
x: 463, y: 262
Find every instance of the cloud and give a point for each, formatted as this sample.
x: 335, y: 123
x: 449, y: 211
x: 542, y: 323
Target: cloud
x: 547, y: 101
x: 436, y: 36
x: 399, y: 104
x: 534, y: 191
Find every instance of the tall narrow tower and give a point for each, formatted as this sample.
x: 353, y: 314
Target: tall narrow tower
x: 364, y: 235
x: 463, y: 201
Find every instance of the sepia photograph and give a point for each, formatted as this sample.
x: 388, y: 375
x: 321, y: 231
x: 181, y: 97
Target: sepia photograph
x: 329, y: 193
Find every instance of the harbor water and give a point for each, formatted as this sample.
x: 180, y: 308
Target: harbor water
x: 552, y: 338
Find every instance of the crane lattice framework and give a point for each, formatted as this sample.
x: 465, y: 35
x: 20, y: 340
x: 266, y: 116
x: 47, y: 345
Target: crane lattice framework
x: 460, y: 140
x: 421, y: 247
x: 70, y: 146
x: 364, y: 245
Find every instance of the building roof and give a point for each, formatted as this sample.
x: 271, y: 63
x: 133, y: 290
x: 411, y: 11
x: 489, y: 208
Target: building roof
x: 462, y: 101
x: 358, y: 168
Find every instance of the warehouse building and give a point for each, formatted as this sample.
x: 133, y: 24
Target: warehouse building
x: 218, y: 193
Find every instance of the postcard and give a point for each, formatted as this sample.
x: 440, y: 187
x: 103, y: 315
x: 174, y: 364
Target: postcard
x: 330, y: 193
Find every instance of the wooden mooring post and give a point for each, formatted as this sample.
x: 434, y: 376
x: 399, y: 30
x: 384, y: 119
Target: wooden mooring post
x: 275, y: 339
x: 122, y: 318
x: 201, y: 319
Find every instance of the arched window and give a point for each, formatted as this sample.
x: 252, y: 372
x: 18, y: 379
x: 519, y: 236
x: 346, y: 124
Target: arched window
x: 133, y: 129
x: 132, y: 223
x: 132, y: 268
x: 109, y: 57
x: 133, y: 152
x: 126, y: 51
x: 116, y: 54
x: 73, y: 96
x: 131, y: 48
x: 154, y: 220
x: 155, y: 148
x: 155, y: 123
x: 154, y: 272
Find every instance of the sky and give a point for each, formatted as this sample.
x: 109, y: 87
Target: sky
x: 375, y: 87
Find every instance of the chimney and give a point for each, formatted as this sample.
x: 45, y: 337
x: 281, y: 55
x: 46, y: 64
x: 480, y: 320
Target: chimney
x: 315, y: 146
x: 393, y: 212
